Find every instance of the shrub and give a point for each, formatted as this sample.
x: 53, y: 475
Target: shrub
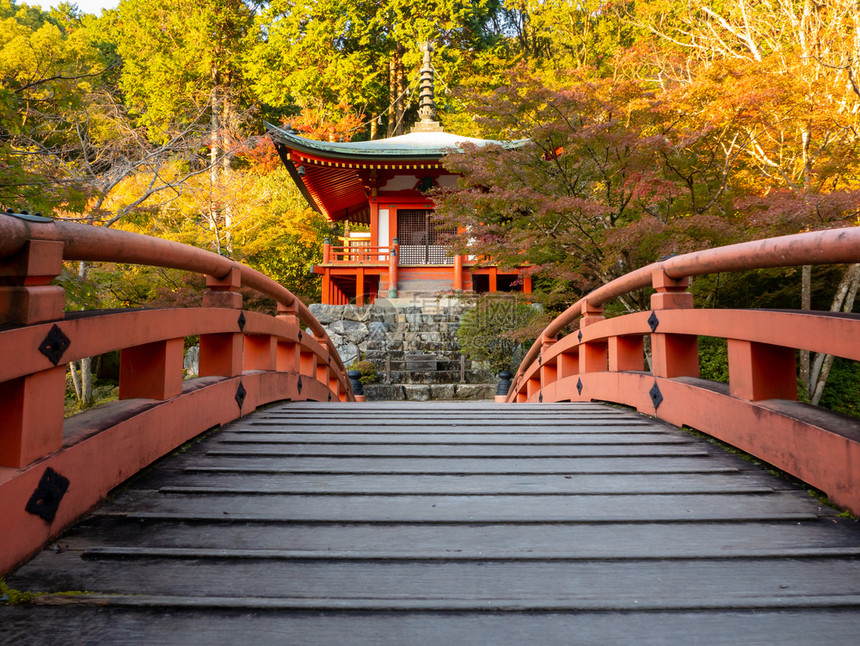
x: 495, y: 330
x: 368, y: 372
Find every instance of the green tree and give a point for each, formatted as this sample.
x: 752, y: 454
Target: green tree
x: 357, y: 55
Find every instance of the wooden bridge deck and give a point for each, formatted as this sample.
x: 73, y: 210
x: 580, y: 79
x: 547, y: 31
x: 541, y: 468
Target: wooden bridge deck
x: 448, y: 523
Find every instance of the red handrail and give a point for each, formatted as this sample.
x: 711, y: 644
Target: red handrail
x: 247, y: 359
x: 757, y: 410
x: 99, y: 244
x: 359, y: 253
x: 818, y: 247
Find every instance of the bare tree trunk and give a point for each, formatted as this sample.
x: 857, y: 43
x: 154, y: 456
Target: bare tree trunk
x: 214, y: 168
x: 86, y: 381
x: 76, y: 381
x: 844, y: 301
x: 806, y: 305
x: 396, y: 86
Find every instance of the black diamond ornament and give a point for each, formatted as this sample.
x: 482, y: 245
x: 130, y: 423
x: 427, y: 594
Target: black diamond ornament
x: 300, y: 385
x: 329, y: 396
x: 241, y: 393
x: 656, y: 396
x: 653, y: 321
x: 47, y: 496
x: 579, y: 336
x: 300, y: 335
x: 540, y: 397
x: 241, y: 321
x: 579, y: 386
x: 55, y: 345
x: 540, y: 360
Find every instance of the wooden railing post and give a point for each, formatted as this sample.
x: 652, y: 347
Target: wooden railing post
x: 31, y: 407
x: 221, y: 354
x: 548, y: 369
x: 672, y: 355
x: 761, y: 371
x: 287, y: 353
x: 26, y: 295
x: 592, y: 355
x: 152, y: 370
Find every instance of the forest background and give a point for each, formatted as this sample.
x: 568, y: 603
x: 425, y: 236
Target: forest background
x: 655, y: 127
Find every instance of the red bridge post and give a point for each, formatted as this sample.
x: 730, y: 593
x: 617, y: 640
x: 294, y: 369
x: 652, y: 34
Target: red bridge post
x: 672, y: 355
x: 31, y: 407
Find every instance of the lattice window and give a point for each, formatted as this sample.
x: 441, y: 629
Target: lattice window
x: 419, y: 239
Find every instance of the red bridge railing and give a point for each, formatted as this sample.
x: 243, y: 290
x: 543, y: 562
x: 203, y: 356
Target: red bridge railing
x: 757, y: 410
x: 54, y: 470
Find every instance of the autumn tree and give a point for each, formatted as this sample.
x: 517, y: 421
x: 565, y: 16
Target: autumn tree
x: 594, y: 190
x: 181, y: 60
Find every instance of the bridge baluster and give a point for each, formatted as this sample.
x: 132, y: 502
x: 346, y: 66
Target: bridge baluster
x: 152, y: 370
x: 288, y: 355
x: 592, y: 354
x: 260, y: 352
x: 221, y: 353
x: 761, y: 371
x: 31, y: 407
x: 672, y: 355
x: 626, y: 353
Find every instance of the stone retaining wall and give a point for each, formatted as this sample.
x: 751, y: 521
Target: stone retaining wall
x: 385, y: 332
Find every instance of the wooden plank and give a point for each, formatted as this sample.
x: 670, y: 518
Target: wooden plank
x: 531, y: 439
x: 458, y: 451
x: 610, y: 584
x: 610, y: 540
x: 263, y: 463
x: 193, y: 627
x: 461, y: 508
x: 472, y: 484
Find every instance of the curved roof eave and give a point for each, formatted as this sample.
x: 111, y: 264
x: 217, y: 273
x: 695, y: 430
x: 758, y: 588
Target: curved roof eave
x: 416, y: 145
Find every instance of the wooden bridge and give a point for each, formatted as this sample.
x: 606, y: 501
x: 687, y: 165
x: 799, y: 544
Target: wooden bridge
x: 320, y: 520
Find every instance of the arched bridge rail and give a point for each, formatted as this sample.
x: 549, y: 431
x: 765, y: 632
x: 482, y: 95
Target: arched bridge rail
x: 757, y: 411
x: 54, y: 470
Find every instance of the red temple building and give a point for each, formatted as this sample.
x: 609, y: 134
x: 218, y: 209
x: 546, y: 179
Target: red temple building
x: 377, y: 189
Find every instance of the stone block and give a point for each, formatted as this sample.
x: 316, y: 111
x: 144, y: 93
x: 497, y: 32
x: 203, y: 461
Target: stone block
x: 354, y: 331
x: 475, y: 391
x: 326, y: 314
x: 417, y: 392
x: 442, y: 391
x: 348, y: 353
x: 384, y: 392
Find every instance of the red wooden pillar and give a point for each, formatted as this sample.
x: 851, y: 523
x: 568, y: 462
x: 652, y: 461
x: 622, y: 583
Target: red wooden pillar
x: 221, y: 354
x: 494, y: 279
x: 672, y: 355
x: 548, y: 369
x: 152, y: 370
x: 359, y: 287
x: 527, y: 284
x: 26, y: 295
x: 31, y: 407
x: 260, y: 352
x: 287, y: 353
x: 458, y: 273
x: 761, y: 371
x: 626, y: 353
x: 592, y: 355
